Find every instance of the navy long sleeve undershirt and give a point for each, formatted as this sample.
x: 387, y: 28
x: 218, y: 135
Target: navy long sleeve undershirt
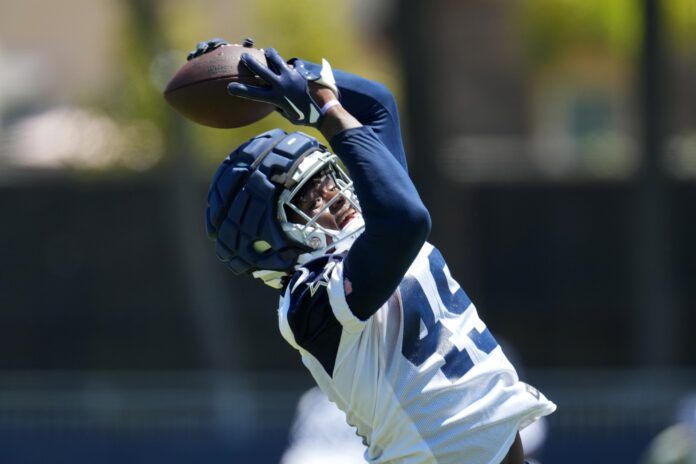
x: 373, y: 105
x: 396, y: 221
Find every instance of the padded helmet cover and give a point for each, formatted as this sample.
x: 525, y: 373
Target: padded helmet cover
x: 242, y: 203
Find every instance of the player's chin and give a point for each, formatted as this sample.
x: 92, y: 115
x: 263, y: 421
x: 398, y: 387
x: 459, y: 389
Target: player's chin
x: 347, y: 218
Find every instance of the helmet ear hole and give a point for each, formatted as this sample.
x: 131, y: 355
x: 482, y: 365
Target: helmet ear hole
x: 261, y: 246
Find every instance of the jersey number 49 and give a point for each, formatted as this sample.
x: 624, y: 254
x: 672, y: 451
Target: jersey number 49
x: 417, y: 346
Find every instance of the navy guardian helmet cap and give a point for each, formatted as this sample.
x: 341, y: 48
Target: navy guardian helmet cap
x: 251, y: 194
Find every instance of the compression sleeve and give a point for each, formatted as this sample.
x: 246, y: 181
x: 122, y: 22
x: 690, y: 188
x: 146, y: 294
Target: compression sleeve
x: 373, y: 105
x: 396, y: 221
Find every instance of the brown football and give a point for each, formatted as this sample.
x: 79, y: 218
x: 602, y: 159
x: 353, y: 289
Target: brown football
x: 198, y: 90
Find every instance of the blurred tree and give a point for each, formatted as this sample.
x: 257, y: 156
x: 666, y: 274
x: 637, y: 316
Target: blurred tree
x: 680, y: 24
x: 140, y: 42
x: 155, y: 37
x: 310, y: 29
x: 134, y: 105
x: 553, y: 28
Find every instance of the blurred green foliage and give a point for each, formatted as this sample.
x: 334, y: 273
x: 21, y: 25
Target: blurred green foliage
x: 680, y: 19
x: 136, y: 96
x: 156, y: 36
x: 153, y: 32
x: 311, y: 29
x: 554, y: 28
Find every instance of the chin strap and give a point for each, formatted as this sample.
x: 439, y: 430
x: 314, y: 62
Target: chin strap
x: 273, y: 279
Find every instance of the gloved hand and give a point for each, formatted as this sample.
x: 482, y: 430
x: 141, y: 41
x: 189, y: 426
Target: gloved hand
x: 288, y: 87
x: 205, y: 47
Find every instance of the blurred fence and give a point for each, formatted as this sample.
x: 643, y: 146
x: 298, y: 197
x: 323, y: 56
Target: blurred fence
x: 94, y: 271
x: 196, y: 416
x: 554, y: 147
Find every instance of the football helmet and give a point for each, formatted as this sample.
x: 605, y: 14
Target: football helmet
x: 251, y: 198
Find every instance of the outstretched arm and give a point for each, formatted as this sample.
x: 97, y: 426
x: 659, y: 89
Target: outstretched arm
x: 374, y: 106
x: 396, y: 221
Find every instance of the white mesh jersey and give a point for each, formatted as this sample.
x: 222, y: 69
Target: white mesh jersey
x: 422, y: 380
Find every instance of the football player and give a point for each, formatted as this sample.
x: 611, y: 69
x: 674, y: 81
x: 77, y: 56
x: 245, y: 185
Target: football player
x: 370, y: 305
